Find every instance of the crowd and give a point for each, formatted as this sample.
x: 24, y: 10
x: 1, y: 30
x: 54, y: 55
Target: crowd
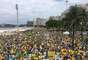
x: 22, y: 47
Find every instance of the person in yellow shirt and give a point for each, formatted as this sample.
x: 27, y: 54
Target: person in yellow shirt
x: 71, y: 52
x: 51, y: 54
x: 63, y: 51
x: 72, y: 57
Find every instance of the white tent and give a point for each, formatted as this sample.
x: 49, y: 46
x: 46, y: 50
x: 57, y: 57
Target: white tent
x: 66, y: 33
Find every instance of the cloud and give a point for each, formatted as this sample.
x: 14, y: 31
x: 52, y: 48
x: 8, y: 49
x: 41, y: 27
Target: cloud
x: 29, y: 9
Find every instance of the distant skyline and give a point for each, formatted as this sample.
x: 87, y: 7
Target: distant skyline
x: 29, y: 9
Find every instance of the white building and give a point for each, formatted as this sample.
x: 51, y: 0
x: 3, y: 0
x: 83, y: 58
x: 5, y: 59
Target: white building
x: 55, y: 17
x: 84, y: 6
x: 40, y: 22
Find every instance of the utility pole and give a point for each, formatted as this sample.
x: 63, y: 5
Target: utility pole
x: 66, y: 3
x: 73, y: 44
x: 17, y: 40
x: 17, y: 18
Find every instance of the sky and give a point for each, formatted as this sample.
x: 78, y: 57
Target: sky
x: 31, y: 9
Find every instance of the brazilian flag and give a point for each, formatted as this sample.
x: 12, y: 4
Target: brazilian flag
x: 18, y: 53
x: 25, y: 54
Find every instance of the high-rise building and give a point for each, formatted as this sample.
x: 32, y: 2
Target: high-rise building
x: 40, y: 22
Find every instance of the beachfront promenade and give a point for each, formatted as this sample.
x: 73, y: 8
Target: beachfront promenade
x: 10, y: 31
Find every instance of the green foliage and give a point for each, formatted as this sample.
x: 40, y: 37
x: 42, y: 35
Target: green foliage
x: 29, y: 23
x: 54, y: 23
x: 60, y: 24
x: 75, y: 16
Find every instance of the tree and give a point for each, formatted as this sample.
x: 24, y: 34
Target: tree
x: 75, y: 20
x: 75, y: 16
x: 29, y: 23
x: 52, y: 23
